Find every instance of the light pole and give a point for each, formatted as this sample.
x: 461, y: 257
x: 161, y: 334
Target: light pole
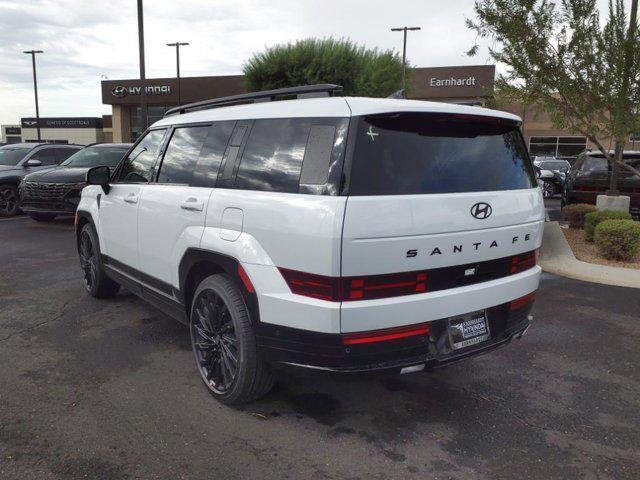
x: 404, y: 54
x: 178, y: 45
x: 143, y: 86
x: 35, y: 86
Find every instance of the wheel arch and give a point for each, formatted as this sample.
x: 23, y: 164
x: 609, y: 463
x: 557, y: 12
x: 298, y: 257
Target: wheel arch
x: 197, y: 264
x: 12, y: 181
x: 82, y: 218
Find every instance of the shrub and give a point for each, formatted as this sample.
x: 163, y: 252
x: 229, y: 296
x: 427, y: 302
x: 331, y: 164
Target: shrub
x: 361, y: 71
x: 575, y: 213
x: 618, y: 239
x: 591, y: 221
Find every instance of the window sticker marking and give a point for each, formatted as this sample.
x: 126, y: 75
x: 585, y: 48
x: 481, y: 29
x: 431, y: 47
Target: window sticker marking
x: 372, y: 134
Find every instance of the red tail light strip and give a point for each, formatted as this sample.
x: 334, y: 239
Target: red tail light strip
x: 522, y: 301
x: 524, y: 261
x: 369, y: 287
x: 385, y: 335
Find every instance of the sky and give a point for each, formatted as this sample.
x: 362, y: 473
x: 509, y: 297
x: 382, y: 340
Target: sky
x: 85, y: 41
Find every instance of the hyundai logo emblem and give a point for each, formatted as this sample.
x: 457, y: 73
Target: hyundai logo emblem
x: 119, y: 91
x: 481, y: 210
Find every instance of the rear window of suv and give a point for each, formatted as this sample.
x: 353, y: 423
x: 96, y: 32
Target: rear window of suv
x: 417, y: 153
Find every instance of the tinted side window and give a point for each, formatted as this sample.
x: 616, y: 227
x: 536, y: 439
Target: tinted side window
x: 64, y: 153
x: 272, y: 158
x: 594, y: 164
x: 211, y: 154
x: 181, y: 156
x: 47, y: 156
x: 138, y: 166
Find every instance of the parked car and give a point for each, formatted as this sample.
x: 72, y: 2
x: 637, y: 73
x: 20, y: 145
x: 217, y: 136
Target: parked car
x: 20, y: 159
x: 590, y: 176
x: 338, y: 234
x: 545, y: 181
x: 559, y: 168
x: 56, y: 191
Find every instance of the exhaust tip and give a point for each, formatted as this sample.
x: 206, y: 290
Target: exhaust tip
x: 412, y: 369
x: 522, y: 333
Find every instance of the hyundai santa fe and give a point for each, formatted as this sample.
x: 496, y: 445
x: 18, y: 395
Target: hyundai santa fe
x: 332, y: 233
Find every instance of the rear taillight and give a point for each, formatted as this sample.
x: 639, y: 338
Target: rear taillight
x: 522, y: 301
x: 371, y: 287
x: 355, y: 288
x: 523, y: 261
x: 311, y: 285
x: 383, y: 286
x: 385, y: 335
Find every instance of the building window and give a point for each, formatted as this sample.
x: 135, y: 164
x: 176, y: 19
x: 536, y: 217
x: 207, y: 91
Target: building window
x: 154, y: 113
x: 557, y: 146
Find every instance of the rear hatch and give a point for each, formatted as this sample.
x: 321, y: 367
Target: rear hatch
x: 434, y: 191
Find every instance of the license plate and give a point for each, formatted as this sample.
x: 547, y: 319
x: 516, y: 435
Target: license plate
x: 469, y: 329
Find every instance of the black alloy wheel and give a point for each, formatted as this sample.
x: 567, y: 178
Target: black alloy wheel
x: 88, y: 261
x: 9, y: 201
x: 214, y: 342
x: 224, y: 345
x: 95, y: 280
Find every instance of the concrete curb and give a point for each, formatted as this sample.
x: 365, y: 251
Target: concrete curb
x: 556, y: 257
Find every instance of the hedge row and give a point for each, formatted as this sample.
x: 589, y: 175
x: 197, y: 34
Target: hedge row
x: 618, y: 239
x: 593, y: 219
x: 576, y: 212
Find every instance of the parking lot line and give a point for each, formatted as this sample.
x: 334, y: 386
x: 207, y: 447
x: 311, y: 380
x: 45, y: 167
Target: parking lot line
x: 12, y: 218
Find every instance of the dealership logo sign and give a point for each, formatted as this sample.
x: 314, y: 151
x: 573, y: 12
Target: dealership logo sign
x: 29, y: 123
x: 452, y: 82
x: 121, y: 91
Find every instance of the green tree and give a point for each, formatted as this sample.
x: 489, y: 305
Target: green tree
x: 361, y: 71
x: 561, y: 58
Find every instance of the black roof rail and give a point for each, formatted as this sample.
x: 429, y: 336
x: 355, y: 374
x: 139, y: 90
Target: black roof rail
x: 303, y: 91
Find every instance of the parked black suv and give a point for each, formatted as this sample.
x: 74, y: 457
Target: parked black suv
x: 57, y: 191
x: 590, y: 176
x: 20, y: 159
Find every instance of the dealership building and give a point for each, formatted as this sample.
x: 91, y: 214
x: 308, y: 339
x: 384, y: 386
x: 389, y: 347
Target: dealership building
x: 78, y: 130
x: 469, y: 85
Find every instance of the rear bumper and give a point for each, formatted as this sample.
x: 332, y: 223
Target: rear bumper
x: 322, y: 351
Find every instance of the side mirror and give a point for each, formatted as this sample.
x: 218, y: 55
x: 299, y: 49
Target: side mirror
x: 99, y: 176
x: 33, y: 163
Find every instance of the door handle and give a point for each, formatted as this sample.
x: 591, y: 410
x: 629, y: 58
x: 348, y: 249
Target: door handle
x: 131, y: 198
x: 192, y: 204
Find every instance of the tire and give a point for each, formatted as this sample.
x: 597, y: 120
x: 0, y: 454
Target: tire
x: 221, y: 331
x: 548, y: 190
x: 9, y: 201
x: 95, y: 280
x: 42, y: 217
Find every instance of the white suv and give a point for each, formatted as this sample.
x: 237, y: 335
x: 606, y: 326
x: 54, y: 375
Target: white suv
x: 336, y: 233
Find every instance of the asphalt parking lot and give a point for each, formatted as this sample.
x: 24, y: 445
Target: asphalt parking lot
x: 108, y: 390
